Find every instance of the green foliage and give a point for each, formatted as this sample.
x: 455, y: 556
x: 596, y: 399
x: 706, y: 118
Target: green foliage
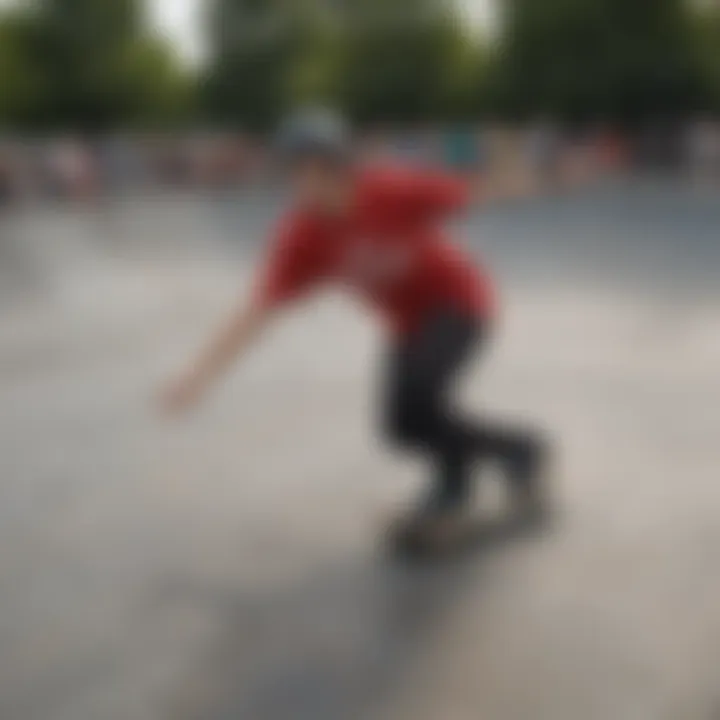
x: 707, y: 34
x: 158, y: 89
x: 255, y: 46
x: 403, y: 66
x: 607, y: 58
x: 86, y: 64
x: 20, y: 84
x: 81, y: 47
x: 93, y: 65
x: 381, y: 60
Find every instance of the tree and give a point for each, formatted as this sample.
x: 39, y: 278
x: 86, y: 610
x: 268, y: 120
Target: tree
x: 707, y: 35
x: 608, y: 58
x: 402, y: 60
x: 81, y: 47
x: 86, y: 65
x: 314, y: 70
x: 159, y: 90
x: 380, y: 60
x: 254, y: 46
x: 19, y: 78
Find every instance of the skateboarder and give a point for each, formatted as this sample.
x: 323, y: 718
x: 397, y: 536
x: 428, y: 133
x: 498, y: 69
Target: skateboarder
x: 377, y: 231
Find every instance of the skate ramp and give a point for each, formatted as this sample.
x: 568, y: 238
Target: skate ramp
x: 227, y: 566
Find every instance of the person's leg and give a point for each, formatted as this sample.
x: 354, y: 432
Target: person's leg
x: 420, y: 372
x: 421, y: 415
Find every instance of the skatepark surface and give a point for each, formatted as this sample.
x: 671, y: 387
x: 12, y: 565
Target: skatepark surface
x: 228, y: 566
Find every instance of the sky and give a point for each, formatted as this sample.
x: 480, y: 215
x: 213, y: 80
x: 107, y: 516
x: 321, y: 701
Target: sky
x: 181, y: 20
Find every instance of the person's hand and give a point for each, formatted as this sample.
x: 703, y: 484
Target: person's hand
x: 181, y: 396
x: 186, y: 392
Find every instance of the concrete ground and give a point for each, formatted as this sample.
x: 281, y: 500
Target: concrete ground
x: 228, y: 567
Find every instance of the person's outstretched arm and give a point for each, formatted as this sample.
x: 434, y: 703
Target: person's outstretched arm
x: 234, y: 338
x: 437, y: 194
x: 289, y: 272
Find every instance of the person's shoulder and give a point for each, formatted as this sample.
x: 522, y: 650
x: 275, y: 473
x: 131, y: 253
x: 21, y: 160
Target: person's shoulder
x: 299, y: 228
x: 386, y: 181
x: 383, y: 175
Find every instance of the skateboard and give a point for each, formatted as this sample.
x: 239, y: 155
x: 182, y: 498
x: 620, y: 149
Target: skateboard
x: 422, y: 537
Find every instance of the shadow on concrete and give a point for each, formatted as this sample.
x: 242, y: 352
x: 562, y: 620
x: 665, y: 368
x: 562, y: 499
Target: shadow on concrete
x: 339, y: 645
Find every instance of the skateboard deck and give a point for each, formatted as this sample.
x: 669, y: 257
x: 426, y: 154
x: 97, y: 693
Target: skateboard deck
x: 471, y: 534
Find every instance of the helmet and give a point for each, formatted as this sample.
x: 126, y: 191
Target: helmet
x: 314, y: 133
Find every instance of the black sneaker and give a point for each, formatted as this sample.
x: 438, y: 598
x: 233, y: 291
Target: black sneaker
x: 529, y: 481
x: 439, y: 521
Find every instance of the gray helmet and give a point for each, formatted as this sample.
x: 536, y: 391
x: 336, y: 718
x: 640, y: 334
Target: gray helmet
x: 314, y: 133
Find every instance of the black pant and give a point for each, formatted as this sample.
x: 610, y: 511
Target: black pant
x: 420, y: 414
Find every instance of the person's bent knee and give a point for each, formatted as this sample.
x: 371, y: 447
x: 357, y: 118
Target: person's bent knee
x: 411, y: 423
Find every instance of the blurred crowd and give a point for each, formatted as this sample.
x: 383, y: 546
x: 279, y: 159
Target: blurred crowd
x: 76, y: 168
x: 82, y: 169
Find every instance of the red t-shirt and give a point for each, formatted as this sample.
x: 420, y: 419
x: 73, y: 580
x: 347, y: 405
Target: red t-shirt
x: 388, y: 248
